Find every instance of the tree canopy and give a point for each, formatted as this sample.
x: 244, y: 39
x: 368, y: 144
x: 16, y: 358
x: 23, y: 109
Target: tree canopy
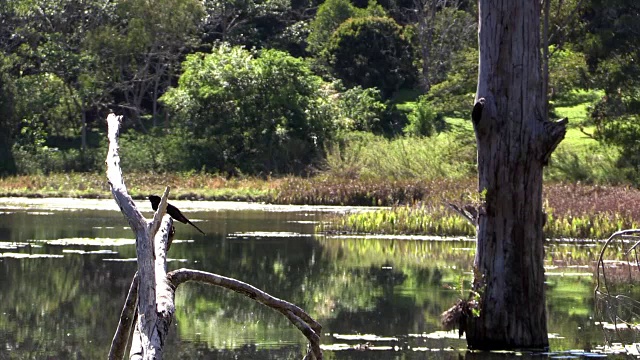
x: 65, y: 63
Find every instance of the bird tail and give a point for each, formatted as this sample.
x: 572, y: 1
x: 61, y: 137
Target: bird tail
x: 197, y: 228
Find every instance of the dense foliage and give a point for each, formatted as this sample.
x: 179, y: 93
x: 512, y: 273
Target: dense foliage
x: 250, y: 114
x: 371, y: 52
x: 273, y: 87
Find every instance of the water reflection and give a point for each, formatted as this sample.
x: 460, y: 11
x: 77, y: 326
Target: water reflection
x: 376, y: 298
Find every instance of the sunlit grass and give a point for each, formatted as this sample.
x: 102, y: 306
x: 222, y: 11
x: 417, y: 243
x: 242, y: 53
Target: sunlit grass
x: 573, y: 211
x: 438, y: 220
x: 183, y: 186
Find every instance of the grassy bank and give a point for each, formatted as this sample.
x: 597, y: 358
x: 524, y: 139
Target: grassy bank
x: 192, y: 186
x: 413, y: 207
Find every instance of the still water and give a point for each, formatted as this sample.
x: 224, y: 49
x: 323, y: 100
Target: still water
x: 66, y: 265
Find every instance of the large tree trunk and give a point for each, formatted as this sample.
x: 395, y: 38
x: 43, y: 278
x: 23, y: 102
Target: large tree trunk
x: 514, y: 141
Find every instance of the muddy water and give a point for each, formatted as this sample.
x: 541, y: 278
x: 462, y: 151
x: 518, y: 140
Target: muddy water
x: 65, y: 266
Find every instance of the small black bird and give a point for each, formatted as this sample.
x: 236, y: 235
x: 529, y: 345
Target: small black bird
x: 173, y: 211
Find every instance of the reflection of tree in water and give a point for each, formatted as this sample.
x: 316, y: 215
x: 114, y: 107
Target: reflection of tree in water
x: 52, y: 307
x: 198, y: 351
x: 343, y: 294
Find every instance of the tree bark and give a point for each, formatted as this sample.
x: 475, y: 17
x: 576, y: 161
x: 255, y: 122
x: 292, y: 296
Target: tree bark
x: 145, y: 232
x: 515, y: 140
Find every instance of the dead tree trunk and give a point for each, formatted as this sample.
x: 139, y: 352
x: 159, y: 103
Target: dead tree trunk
x: 515, y: 140
x: 154, y: 289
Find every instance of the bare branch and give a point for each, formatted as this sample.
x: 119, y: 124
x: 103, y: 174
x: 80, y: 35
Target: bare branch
x: 305, y: 323
x: 159, y: 214
x: 116, y: 182
x: 125, y: 325
x: 164, y: 293
x: 600, y: 263
x: 144, y: 249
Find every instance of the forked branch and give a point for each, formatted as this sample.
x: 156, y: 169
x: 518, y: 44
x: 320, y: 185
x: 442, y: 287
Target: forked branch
x: 153, y: 290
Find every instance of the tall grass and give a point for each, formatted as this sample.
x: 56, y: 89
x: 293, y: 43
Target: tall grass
x: 422, y: 219
x: 183, y: 186
x: 366, y: 156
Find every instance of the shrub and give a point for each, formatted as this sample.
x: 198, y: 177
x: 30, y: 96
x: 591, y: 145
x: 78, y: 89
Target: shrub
x: 359, y: 109
x: 567, y: 71
x: 255, y: 113
x: 424, y: 120
x: 367, y: 156
x: 454, y: 95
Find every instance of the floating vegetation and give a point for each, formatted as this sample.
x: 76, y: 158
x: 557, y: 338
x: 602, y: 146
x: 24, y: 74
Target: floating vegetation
x: 134, y: 260
x: 12, y: 245
x: 452, y: 334
x: 29, y: 256
x: 121, y: 260
x: 439, y: 220
x: 89, y: 241
x: 363, y: 337
x: 420, y: 219
x: 267, y: 234
x: 94, y: 252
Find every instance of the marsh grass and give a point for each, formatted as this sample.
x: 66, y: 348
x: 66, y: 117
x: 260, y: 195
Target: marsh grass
x: 195, y: 186
x: 422, y: 219
x: 450, y: 155
x: 331, y: 190
x: 573, y: 211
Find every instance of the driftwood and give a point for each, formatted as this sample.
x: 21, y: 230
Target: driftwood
x: 152, y: 289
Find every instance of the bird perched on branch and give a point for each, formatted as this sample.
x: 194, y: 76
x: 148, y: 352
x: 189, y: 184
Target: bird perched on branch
x: 173, y: 211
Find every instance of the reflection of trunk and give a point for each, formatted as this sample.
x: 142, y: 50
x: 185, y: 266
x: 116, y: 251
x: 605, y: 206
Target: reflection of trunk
x: 514, y: 141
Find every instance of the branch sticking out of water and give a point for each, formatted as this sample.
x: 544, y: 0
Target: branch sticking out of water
x: 298, y: 317
x: 154, y: 289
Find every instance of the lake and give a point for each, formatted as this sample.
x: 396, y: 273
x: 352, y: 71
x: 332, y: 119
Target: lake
x: 66, y: 265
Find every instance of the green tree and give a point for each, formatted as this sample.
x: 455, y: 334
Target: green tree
x: 567, y: 71
x: 46, y: 41
x: 257, y: 24
x: 140, y: 53
x: 611, y: 46
x: 250, y: 112
x: 358, y: 109
x: 451, y: 95
x: 330, y: 15
x: 371, y: 52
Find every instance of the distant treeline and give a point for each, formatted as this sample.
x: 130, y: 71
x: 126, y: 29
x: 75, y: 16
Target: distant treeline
x: 264, y: 87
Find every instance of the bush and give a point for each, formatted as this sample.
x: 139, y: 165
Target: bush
x: 359, y: 109
x: 424, y: 120
x: 454, y: 96
x: 567, y: 71
x: 330, y: 15
x: 593, y: 165
x: 254, y: 113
